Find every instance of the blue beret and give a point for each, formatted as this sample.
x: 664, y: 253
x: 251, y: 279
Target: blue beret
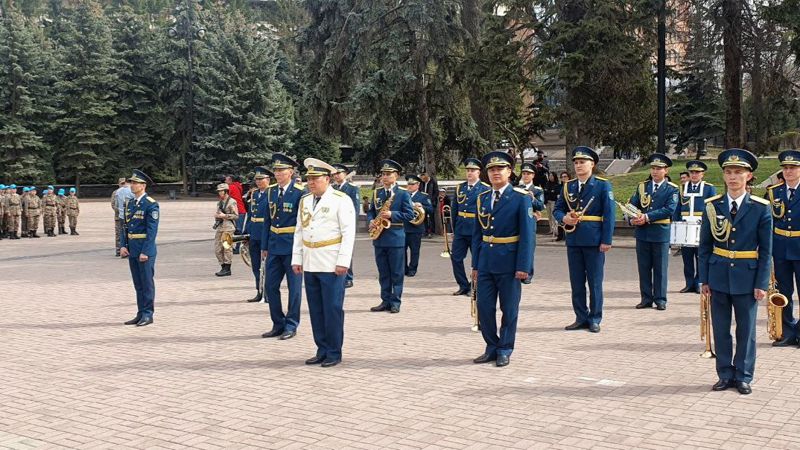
x: 789, y: 158
x: 26, y: 189
x: 50, y: 187
x: 2, y: 186
x: 497, y: 158
x: 72, y: 190
x: 13, y: 186
x: 737, y: 157
x: 61, y: 191
x: 583, y: 152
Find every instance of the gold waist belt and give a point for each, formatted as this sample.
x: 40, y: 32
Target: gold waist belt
x: 468, y: 215
x: 137, y: 236
x: 256, y: 219
x: 662, y: 222
x: 282, y: 230
x: 592, y: 218
x: 324, y: 243
x: 787, y: 233
x: 696, y: 214
x: 733, y: 254
x: 500, y: 240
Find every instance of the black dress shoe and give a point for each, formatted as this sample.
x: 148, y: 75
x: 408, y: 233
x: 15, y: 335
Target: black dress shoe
x: 394, y: 309
x: 643, y: 305
x: 411, y: 273
x: 722, y: 385
x: 257, y: 298
x: 133, y: 321
x: 466, y: 291
x: 576, y: 326
x: 382, y: 307
x: 594, y: 328
x: 287, y: 335
x: 686, y: 289
x: 348, y: 284
x: 743, y: 388
x: 315, y: 360
x: 484, y: 358
x: 330, y: 362
x: 144, y: 321
x: 272, y: 333
x: 502, y: 360
x: 527, y: 281
x: 785, y: 342
x: 661, y: 306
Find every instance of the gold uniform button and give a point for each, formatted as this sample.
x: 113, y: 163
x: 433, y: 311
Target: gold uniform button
x: 733, y: 229
x: 731, y: 264
x: 733, y: 241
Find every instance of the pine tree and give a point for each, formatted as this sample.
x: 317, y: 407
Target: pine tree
x: 86, y: 93
x: 24, y: 156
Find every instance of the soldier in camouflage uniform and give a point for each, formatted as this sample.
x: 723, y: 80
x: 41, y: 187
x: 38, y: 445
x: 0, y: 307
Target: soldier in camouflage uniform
x: 3, y: 201
x: 61, y: 211
x: 73, y: 209
x: 226, y: 215
x: 50, y: 211
x: 23, y: 203
x: 13, y: 211
x: 33, y: 212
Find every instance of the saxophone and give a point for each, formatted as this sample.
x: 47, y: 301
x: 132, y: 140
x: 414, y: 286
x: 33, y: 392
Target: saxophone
x: 378, y: 224
x: 775, y: 304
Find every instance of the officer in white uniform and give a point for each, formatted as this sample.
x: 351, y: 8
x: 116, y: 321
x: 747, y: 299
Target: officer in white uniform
x: 323, y: 247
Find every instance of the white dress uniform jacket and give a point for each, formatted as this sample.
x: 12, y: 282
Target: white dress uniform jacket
x: 324, y: 236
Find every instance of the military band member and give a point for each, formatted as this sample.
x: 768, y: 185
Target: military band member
x: 50, y: 211
x: 226, y: 216
x: 503, y: 240
x: 258, y: 208
x: 390, y: 245
x: 276, y: 247
x: 322, y: 250
x: 73, y: 209
x: 735, y: 251
x: 586, y: 209
x: 13, y: 212
x: 61, y: 213
x: 657, y: 199
x: 783, y: 197
x: 528, y: 173
x: 340, y: 183
x: 414, y: 233
x: 138, y: 244
x: 694, y: 193
x: 33, y: 212
x: 463, y: 213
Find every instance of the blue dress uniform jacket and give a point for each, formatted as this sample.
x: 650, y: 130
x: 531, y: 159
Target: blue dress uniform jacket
x: 390, y: 246
x: 401, y: 209
x: 652, y: 239
x: 697, y: 195
x: 414, y: 232
x: 735, y: 260
x: 584, y: 258
x: 256, y: 213
x: 537, y: 202
x: 786, y: 249
x: 503, y: 238
x: 278, y: 240
x: 463, y: 212
x: 354, y: 193
x: 141, y: 222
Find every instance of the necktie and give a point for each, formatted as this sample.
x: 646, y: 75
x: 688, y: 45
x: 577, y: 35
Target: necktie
x: 469, y: 187
x: 655, y: 187
x: 316, y: 200
x: 496, y: 199
x: 580, y: 189
x: 280, y: 198
x: 791, y: 193
x: 734, y: 209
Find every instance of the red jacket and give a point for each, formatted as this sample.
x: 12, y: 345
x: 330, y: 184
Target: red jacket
x: 235, y: 191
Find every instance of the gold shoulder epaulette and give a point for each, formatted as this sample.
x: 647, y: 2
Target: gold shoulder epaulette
x: 424, y: 193
x: 335, y: 192
x: 272, y: 185
x: 309, y: 193
x: 485, y: 184
x: 151, y: 199
x: 484, y: 192
x: 520, y: 190
x: 773, y: 186
x: 758, y: 199
x: 711, y: 199
x: 599, y: 178
x: 709, y: 184
x: 672, y: 184
x: 402, y: 188
x: 538, y: 188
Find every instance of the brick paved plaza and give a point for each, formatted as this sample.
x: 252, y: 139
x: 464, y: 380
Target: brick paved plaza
x: 73, y: 376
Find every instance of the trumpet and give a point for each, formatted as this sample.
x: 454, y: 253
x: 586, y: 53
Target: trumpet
x: 629, y: 210
x: 705, y: 325
x: 473, y: 306
x: 577, y: 214
x: 775, y: 304
x: 447, y: 214
x: 229, y: 239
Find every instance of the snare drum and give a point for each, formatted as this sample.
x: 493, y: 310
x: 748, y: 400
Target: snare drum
x: 684, y: 234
